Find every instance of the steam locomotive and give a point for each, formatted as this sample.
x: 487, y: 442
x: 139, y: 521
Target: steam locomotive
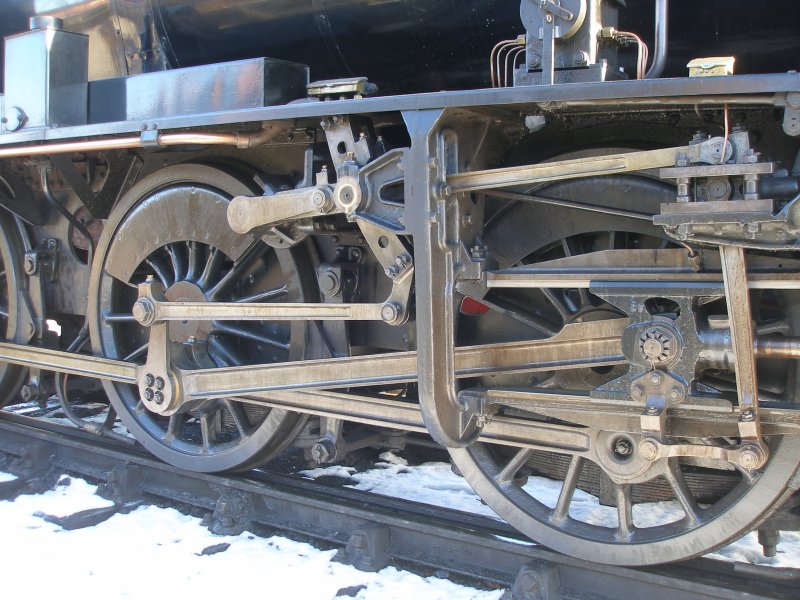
x: 555, y: 236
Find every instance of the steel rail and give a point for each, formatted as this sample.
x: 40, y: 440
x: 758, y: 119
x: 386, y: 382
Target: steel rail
x: 419, y: 536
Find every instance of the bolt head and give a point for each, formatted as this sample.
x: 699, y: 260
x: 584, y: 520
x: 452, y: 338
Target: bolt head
x: 748, y: 415
x: 159, y: 383
x: 149, y: 380
x: 389, y: 312
x: 655, y: 377
x: 648, y: 449
x: 147, y: 394
x: 144, y: 311
x: 637, y: 391
x: 158, y: 397
x: 676, y: 393
x: 581, y: 57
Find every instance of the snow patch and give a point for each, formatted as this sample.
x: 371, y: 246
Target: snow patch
x: 435, y: 483
x: 101, y: 561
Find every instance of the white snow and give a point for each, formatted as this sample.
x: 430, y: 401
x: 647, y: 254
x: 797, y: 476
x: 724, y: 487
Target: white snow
x: 157, y: 553
x: 435, y: 483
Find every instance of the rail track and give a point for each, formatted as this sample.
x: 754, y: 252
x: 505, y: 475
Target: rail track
x: 370, y: 530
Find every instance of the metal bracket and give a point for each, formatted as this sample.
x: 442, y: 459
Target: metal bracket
x: 44, y: 259
x: 123, y: 169
x: 791, y: 114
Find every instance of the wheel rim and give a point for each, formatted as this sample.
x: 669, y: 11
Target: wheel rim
x: 11, y: 376
x: 173, y: 225
x: 552, y: 517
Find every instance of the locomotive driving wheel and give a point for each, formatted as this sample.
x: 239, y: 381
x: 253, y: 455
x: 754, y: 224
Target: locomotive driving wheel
x: 11, y: 252
x: 704, y: 504
x: 172, y: 225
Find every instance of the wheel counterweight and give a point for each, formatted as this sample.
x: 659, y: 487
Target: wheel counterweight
x: 172, y: 226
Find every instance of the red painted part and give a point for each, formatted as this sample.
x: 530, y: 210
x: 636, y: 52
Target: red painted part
x: 471, y: 307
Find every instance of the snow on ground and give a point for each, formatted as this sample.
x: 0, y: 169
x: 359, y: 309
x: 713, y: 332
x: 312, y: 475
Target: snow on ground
x: 157, y: 552
x: 435, y: 483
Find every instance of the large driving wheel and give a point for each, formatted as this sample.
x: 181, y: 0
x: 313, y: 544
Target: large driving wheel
x: 11, y: 279
x: 708, y: 503
x: 173, y: 225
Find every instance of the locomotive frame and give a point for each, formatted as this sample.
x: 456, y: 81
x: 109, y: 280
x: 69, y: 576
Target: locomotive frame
x: 414, y: 203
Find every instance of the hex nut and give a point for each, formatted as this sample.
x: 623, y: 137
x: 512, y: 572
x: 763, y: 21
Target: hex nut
x: 677, y: 393
x: 144, y: 311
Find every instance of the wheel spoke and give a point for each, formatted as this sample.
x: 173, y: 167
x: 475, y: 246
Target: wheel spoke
x: 561, y: 511
x: 159, y: 271
x: 514, y: 465
x: 266, y: 295
x: 207, y: 431
x: 556, y: 302
x: 247, y: 334
x: 584, y: 295
x: 624, y: 511
x: 683, y: 494
x: 211, y: 269
x: 177, y: 267
x: 252, y: 254
x: 141, y: 350
x: 118, y: 317
x: 222, y: 354
x: 176, y: 421
x: 239, y: 417
x: 194, y: 260
x: 538, y: 324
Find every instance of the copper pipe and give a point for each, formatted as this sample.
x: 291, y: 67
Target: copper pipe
x: 240, y: 140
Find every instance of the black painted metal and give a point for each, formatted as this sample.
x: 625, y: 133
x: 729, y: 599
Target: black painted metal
x: 760, y: 88
x: 445, y: 43
x: 424, y: 536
